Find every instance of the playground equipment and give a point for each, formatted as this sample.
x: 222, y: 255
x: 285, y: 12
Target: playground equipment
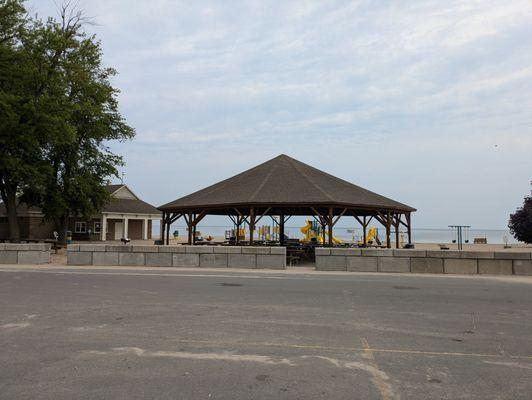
x: 233, y: 234
x: 313, y: 231
x: 372, y: 235
x: 460, y: 230
x: 264, y: 233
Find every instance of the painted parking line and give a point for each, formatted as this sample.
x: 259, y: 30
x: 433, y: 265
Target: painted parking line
x: 364, y: 349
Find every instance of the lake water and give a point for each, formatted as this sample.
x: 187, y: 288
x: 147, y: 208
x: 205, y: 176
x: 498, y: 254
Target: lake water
x: 443, y: 235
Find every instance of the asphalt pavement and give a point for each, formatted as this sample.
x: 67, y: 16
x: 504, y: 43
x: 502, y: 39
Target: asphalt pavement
x: 88, y: 333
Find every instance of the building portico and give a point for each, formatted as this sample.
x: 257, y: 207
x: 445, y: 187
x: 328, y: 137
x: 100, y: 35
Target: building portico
x: 115, y: 226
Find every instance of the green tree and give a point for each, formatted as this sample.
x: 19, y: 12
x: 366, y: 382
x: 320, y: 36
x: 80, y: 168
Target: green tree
x: 20, y: 145
x: 61, y: 111
x: 521, y: 222
x: 81, y: 159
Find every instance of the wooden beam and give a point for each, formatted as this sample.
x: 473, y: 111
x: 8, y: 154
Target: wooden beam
x: 338, y: 217
x: 381, y: 218
x: 199, y: 217
x: 175, y: 217
x: 315, y: 211
x: 263, y: 214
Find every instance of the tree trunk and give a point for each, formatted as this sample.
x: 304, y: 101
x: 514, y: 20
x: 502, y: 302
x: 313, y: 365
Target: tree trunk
x: 62, y: 228
x: 11, y: 210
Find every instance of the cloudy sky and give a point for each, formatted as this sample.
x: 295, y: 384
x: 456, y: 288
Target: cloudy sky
x: 427, y: 102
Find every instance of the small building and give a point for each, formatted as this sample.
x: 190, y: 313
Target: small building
x: 126, y: 215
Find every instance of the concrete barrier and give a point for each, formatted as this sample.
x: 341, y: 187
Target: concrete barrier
x: 522, y: 267
x: 24, y: 253
x: 177, y: 256
x: 424, y: 262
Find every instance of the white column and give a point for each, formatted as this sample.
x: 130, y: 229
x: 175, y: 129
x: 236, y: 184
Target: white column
x: 103, y: 228
x: 126, y: 227
x: 145, y: 229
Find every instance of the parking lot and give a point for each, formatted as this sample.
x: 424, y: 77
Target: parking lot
x: 181, y: 334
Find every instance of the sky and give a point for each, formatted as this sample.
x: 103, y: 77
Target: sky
x: 426, y: 102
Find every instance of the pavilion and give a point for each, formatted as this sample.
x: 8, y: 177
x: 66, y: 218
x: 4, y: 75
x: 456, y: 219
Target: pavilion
x: 283, y: 187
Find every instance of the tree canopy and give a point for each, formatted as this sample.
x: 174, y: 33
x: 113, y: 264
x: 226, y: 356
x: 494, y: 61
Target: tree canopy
x: 521, y: 222
x: 58, y: 113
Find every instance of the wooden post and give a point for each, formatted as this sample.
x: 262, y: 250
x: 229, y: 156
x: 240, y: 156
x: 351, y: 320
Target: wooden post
x: 190, y: 226
x: 364, y: 231
x: 281, y: 229
x: 398, y: 216
x: 162, y: 228
x: 237, y: 231
x: 194, y: 231
x: 251, y: 225
x: 330, y: 226
x: 388, y: 229
x: 168, y: 223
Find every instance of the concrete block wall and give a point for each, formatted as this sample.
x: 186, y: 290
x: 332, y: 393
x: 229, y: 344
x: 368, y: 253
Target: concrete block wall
x: 24, y: 253
x: 421, y: 261
x: 178, y: 256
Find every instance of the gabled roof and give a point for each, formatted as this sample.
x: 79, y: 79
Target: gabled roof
x: 111, y: 188
x: 116, y: 205
x: 287, y: 182
x: 129, y: 206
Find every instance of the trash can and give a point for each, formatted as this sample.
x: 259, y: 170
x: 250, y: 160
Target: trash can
x: 69, y: 237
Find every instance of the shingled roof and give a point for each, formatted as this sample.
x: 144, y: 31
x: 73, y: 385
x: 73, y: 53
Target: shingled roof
x: 284, y: 181
x: 129, y: 206
x: 115, y: 205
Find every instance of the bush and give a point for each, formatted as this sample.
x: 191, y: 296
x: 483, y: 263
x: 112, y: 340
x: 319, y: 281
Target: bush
x: 520, y: 223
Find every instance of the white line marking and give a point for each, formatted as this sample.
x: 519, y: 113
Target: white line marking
x: 225, y: 356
